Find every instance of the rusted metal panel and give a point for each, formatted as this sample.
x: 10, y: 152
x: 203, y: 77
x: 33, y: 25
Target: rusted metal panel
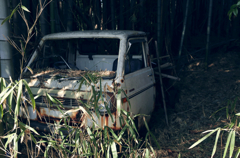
x: 50, y: 115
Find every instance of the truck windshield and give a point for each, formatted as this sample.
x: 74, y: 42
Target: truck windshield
x: 93, y: 54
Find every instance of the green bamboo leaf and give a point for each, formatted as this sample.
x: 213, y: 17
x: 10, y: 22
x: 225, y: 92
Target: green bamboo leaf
x: 235, y: 11
x: 3, y: 84
x: 109, y: 112
x: 227, y: 113
x: 15, y: 145
x: 54, y: 100
x: 132, y: 132
x: 1, y: 112
x: 152, y: 135
x: 179, y: 155
x: 10, y: 16
x: 216, y: 140
x: 237, y: 153
x: 232, y: 144
x: 233, y: 6
x: 21, y: 135
x: 6, y: 93
x: 126, y: 98
x: 91, y: 136
x: 100, y: 91
x: 46, y: 151
x: 18, y: 99
x: 10, y: 99
x: 121, y: 133
x: 153, y: 151
x: 24, y: 126
x: 80, y: 85
x: 202, y: 139
x: 147, y: 154
x: 25, y: 8
x: 30, y: 94
x: 114, y: 149
x: 230, y: 15
x: 238, y: 114
x: 227, y: 143
x: 113, y: 133
x: 10, y: 138
x: 130, y: 119
x: 105, y: 133
x: 33, y: 138
x: 108, y: 152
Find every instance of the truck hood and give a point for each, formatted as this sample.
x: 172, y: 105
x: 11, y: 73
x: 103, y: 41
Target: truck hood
x: 66, y: 79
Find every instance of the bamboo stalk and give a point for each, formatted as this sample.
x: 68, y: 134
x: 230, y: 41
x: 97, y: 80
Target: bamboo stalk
x: 164, y: 66
x: 184, y: 28
x: 208, y: 30
x: 163, y: 96
x: 169, y: 76
x: 159, y: 23
x: 113, y: 15
x: 166, y: 56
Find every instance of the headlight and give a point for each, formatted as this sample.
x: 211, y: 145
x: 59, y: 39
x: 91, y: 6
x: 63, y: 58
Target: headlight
x: 103, y: 102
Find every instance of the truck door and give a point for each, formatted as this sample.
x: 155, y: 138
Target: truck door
x: 139, y: 78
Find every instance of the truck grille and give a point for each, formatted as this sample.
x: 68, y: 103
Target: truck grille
x: 67, y: 102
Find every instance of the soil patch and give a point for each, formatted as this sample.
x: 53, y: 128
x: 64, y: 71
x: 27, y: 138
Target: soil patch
x: 201, y: 93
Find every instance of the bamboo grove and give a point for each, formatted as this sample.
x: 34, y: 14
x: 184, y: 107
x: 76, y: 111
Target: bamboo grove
x: 180, y: 26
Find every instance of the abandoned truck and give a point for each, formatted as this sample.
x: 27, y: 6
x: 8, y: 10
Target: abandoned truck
x: 120, y: 58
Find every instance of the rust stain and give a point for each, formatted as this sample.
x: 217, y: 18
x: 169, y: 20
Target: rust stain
x: 43, y: 112
x: 118, y: 84
x: 106, y: 120
x: 102, y: 123
x: 122, y: 80
x: 126, y: 91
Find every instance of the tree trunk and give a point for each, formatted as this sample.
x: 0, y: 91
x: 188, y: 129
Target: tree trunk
x: 133, y: 15
x: 69, y: 15
x: 82, y: 15
x: 142, y: 15
x: 52, y: 16
x: 6, y: 64
x: 113, y: 23
x: 44, y: 22
x: 71, y: 53
x: 159, y: 26
x: 208, y: 30
x: 184, y: 27
x: 97, y: 13
x: 56, y: 14
x: 121, y: 15
x: 26, y: 3
x: 221, y: 14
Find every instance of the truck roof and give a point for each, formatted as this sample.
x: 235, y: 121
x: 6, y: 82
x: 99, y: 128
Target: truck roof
x: 120, y: 34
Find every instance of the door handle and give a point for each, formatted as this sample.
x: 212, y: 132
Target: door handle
x: 149, y: 75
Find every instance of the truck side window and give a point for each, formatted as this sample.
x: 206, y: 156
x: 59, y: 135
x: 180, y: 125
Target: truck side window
x: 135, y: 58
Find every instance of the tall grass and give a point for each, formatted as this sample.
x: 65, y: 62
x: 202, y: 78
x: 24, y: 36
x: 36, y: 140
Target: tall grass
x: 64, y: 139
x: 68, y: 140
x: 229, y: 131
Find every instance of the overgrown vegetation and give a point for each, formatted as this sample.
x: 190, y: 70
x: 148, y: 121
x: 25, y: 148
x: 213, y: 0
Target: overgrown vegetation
x: 229, y: 133
x: 65, y: 139
x: 70, y: 140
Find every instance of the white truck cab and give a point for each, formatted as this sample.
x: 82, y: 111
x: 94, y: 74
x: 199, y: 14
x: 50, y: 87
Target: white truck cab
x: 61, y: 60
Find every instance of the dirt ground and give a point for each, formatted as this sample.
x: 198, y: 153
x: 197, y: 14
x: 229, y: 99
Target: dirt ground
x: 201, y: 93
